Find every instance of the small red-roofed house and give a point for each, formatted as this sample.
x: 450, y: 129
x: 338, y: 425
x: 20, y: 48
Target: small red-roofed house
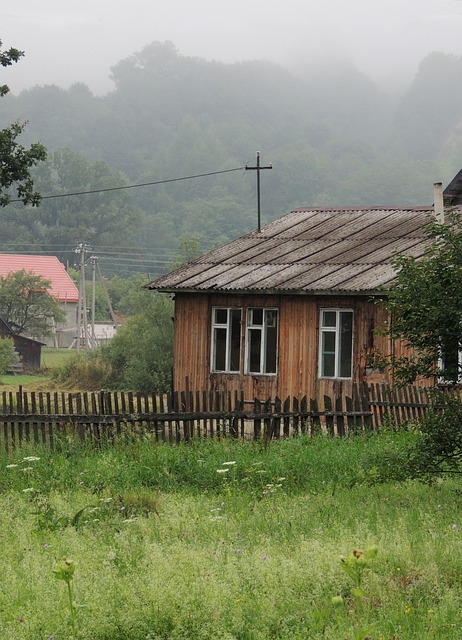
x: 62, y: 288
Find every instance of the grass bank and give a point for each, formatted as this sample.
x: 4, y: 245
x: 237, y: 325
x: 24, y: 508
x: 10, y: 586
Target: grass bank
x: 226, y: 540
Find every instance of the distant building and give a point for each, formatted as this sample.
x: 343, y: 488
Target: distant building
x: 62, y: 288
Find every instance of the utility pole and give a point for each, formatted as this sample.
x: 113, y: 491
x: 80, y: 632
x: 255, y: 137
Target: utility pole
x: 93, y: 262
x: 82, y: 320
x: 258, y: 168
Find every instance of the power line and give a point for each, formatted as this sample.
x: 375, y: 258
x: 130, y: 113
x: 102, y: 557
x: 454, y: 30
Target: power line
x: 136, y: 186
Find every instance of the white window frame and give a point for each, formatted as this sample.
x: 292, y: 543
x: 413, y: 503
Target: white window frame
x: 334, y: 330
x: 263, y: 328
x: 227, y: 326
x: 442, y: 379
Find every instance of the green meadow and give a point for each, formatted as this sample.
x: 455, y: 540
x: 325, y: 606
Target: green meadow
x: 226, y: 540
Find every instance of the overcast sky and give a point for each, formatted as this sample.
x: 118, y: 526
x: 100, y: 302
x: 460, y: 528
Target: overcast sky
x: 80, y: 41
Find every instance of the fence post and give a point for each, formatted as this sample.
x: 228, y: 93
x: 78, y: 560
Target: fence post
x: 340, y: 418
x: 328, y: 415
x: 256, y: 421
x: 315, y: 417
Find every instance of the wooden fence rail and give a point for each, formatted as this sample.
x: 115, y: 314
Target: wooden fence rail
x: 43, y: 417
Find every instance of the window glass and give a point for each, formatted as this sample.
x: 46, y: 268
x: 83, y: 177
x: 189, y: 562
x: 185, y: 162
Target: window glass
x: 271, y: 346
x: 262, y: 340
x: 235, y: 346
x: 254, y: 346
x: 328, y: 354
x: 221, y: 316
x: 220, y: 349
x: 346, y: 343
x: 226, y: 340
x: 336, y: 344
x: 329, y: 318
x: 256, y: 316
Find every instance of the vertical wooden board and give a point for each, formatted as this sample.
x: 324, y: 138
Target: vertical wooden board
x: 351, y: 419
x: 123, y: 402
x: 329, y: 419
x: 315, y: 419
x: 369, y: 392
x: 139, y: 403
x: 340, y: 420
x: 276, y: 431
x: 267, y: 422
x: 286, y: 419
x: 304, y: 421
x: 117, y: 413
x: 366, y: 407
x: 296, y: 416
x: 256, y: 420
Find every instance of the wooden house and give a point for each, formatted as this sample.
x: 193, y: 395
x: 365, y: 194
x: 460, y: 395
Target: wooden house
x: 292, y: 309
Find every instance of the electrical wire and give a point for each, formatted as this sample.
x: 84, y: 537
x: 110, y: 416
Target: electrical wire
x: 136, y: 186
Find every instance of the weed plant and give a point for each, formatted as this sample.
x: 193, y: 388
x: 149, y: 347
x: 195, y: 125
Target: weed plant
x: 226, y: 540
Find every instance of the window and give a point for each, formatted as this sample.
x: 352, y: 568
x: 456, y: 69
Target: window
x: 262, y: 337
x: 450, y: 363
x: 226, y: 339
x: 336, y: 343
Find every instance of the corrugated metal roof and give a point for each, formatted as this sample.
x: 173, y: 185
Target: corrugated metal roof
x: 309, y: 250
x: 62, y: 286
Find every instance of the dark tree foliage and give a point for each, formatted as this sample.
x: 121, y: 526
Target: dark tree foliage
x: 16, y: 161
x: 26, y: 304
x: 425, y: 307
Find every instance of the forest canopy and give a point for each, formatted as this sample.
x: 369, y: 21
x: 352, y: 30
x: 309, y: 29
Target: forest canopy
x: 334, y: 140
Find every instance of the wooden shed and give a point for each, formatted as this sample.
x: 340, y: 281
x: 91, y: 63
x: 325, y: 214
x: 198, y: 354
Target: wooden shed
x: 291, y: 309
x: 28, y: 349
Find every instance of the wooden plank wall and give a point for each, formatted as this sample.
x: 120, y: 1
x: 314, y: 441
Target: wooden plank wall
x: 45, y: 417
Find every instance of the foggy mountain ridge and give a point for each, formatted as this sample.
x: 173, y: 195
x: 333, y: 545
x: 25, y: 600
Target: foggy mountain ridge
x: 333, y: 137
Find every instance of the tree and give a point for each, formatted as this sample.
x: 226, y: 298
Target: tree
x: 15, y: 160
x: 8, y: 356
x: 140, y: 354
x: 425, y: 307
x: 26, y: 305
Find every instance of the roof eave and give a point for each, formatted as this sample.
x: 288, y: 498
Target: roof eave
x: 275, y: 292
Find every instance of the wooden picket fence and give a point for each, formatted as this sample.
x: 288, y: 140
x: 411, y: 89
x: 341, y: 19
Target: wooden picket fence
x: 45, y: 417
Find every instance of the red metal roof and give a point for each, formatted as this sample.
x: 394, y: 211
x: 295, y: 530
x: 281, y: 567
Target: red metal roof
x: 62, y: 286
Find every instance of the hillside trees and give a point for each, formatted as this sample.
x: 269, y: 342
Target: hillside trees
x: 328, y: 134
x: 104, y: 218
x: 16, y: 160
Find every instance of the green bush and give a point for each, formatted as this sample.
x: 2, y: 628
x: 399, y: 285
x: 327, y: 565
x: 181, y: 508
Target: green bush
x: 140, y: 354
x: 438, y: 449
x: 8, y: 356
x: 87, y: 371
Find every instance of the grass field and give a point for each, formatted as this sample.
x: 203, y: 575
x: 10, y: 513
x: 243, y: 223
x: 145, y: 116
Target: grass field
x: 226, y: 540
x: 51, y: 360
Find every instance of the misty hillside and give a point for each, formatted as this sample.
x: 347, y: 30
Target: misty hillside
x: 333, y: 139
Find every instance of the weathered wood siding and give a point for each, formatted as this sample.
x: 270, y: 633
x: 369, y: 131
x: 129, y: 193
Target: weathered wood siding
x: 298, y: 345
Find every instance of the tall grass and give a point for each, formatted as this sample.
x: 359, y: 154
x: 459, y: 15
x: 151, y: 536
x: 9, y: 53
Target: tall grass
x: 168, y: 544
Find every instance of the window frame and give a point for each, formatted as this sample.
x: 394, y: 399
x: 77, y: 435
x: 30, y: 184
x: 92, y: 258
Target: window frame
x: 228, y: 340
x: 442, y: 379
x: 263, y: 328
x: 324, y: 329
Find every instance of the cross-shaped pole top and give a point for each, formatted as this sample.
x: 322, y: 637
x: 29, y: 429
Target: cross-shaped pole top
x: 258, y: 168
